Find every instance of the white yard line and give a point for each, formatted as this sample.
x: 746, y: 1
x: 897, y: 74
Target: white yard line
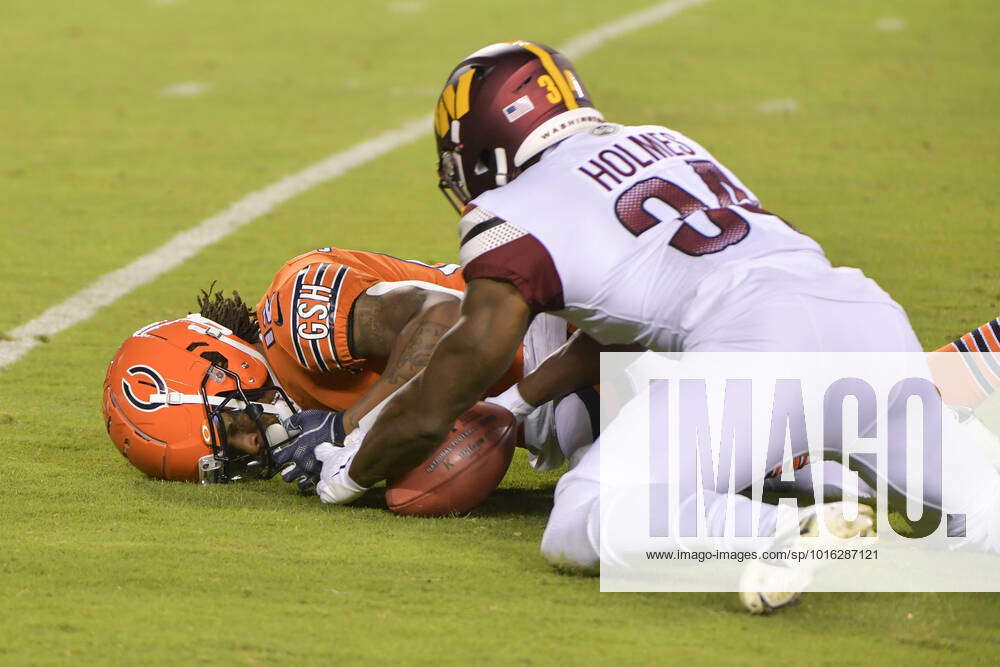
x: 186, y: 89
x: 112, y: 286
x: 407, y: 6
x: 594, y: 39
x: 890, y: 24
x: 783, y: 105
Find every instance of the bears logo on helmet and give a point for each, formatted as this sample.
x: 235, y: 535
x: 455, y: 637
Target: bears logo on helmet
x: 168, y: 390
x: 157, y: 383
x: 500, y: 108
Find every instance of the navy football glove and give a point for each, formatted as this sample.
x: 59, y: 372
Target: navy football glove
x: 297, y: 460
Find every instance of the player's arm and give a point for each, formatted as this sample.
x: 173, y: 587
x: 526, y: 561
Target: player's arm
x: 470, y: 357
x: 967, y: 382
x: 574, y: 366
x: 402, y: 326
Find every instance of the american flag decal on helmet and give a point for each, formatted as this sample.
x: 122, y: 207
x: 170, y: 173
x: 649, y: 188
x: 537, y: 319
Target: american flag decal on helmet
x: 518, y: 108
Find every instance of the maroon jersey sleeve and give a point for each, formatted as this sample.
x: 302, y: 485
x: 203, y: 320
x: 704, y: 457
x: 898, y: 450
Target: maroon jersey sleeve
x: 493, y: 248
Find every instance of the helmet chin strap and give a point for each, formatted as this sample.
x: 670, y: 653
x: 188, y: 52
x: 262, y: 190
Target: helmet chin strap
x: 500, y: 156
x: 281, y: 410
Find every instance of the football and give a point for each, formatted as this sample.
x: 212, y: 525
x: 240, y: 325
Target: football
x: 463, y: 470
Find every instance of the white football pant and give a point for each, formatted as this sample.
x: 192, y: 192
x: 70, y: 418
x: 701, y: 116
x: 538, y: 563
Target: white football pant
x: 796, y: 322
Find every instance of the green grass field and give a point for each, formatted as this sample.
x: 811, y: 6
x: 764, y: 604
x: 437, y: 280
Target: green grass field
x: 884, y: 147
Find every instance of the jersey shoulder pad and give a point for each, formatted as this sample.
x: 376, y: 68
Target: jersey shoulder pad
x: 481, y: 231
x: 496, y: 249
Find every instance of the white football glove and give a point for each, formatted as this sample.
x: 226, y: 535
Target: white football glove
x: 513, y: 401
x: 355, y: 437
x: 335, y: 485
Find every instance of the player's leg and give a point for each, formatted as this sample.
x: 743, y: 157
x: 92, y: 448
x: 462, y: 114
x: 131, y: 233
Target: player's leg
x: 804, y: 323
x: 572, y: 534
x: 577, y: 421
x: 809, y: 323
x: 555, y: 431
x: 797, y: 323
x: 968, y: 381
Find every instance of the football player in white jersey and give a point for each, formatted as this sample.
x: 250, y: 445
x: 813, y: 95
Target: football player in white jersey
x: 639, y: 237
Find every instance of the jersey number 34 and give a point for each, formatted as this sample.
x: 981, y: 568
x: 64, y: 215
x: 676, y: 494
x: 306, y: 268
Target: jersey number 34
x: 733, y: 228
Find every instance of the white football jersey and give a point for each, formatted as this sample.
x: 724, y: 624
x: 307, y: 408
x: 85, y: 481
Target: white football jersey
x: 620, y: 229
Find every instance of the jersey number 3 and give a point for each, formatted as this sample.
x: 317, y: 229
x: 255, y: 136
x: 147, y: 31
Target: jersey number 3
x: 630, y: 210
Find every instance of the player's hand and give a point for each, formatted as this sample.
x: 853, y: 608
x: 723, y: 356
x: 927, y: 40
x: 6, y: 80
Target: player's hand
x: 298, y: 465
x: 335, y: 485
x: 297, y: 460
x: 317, y: 426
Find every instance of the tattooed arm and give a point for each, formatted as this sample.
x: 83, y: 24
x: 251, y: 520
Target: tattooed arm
x: 470, y: 357
x: 401, y: 326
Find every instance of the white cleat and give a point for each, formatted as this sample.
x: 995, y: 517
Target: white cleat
x: 766, y: 586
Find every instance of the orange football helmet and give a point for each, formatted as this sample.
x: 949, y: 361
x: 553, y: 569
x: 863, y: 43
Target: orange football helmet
x: 166, y: 390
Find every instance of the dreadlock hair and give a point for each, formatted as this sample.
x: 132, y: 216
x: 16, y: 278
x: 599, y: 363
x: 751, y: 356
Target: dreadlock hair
x: 230, y: 312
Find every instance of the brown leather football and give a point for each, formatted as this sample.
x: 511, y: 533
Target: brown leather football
x: 463, y: 470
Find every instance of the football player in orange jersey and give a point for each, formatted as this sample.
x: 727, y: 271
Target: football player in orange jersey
x: 343, y: 329
x: 339, y: 330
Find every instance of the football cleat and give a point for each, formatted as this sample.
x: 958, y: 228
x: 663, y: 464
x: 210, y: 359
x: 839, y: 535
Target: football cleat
x: 766, y: 586
x: 500, y: 108
x: 172, y: 388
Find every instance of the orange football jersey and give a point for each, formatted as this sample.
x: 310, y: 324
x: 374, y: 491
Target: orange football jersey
x: 305, y: 320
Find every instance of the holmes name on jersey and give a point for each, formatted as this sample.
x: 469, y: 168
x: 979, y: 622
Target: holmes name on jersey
x: 626, y: 157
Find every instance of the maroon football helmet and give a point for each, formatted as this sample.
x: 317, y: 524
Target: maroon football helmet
x: 501, y: 107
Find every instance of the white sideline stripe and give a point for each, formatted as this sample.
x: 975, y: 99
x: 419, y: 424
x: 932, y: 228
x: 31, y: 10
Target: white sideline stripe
x: 784, y: 105
x: 112, y: 286
x: 186, y: 89
x: 407, y: 7
x: 596, y: 38
x: 890, y: 24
